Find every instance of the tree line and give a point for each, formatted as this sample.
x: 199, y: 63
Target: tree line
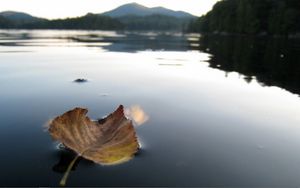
x: 89, y: 21
x: 5, y: 23
x: 272, y: 17
x: 101, y: 22
x: 154, y: 22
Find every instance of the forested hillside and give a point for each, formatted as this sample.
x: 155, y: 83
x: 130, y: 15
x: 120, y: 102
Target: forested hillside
x: 5, y: 23
x: 89, y: 21
x: 154, y: 22
x: 274, y: 17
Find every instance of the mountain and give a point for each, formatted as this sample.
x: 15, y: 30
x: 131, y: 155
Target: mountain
x: 19, y: 17
x: 127, y: 17
x: 140, y: 10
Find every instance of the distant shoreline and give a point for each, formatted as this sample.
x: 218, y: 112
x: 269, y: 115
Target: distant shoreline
x: 289, y: 36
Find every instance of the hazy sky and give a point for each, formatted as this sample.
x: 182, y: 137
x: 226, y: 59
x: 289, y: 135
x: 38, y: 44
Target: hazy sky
x: 71, y: 8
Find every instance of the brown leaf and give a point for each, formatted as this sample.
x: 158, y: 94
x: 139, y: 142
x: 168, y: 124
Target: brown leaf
x: 108, y: 141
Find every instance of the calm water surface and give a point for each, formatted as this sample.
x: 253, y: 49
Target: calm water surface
x: 223, y: 111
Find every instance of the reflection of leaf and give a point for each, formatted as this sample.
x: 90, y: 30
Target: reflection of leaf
x: 108, y: 141
x: 65, y: 158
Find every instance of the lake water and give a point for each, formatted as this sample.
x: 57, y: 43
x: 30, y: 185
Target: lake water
x: 223, y: 111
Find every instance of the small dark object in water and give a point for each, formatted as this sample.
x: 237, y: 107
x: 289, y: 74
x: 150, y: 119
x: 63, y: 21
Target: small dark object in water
x: 81, y: 80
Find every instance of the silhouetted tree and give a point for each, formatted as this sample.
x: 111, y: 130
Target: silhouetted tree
x: 251, y: 17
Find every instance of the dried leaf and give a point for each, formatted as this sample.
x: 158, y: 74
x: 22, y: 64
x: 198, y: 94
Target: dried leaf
x: 108, y: 141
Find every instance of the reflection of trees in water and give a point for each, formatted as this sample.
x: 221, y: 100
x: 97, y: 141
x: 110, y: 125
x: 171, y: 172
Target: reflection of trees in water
x: 139, y: 42
x: 274, y: 62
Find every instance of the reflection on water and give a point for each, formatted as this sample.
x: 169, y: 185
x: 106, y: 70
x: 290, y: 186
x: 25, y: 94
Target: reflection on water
x: 111, y: 41
x: 210, y: 117
x: 271, y: 61
x: 137, y: 42
x: 65, y: 158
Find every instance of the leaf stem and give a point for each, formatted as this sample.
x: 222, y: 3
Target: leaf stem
x: 63, y: 181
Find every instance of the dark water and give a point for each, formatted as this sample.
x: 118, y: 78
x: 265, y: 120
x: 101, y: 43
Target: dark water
x: 222, y: 111
x: 271, y: 61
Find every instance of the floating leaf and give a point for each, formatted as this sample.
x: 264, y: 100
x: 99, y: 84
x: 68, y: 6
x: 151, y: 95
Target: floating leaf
x: 108, y: 141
